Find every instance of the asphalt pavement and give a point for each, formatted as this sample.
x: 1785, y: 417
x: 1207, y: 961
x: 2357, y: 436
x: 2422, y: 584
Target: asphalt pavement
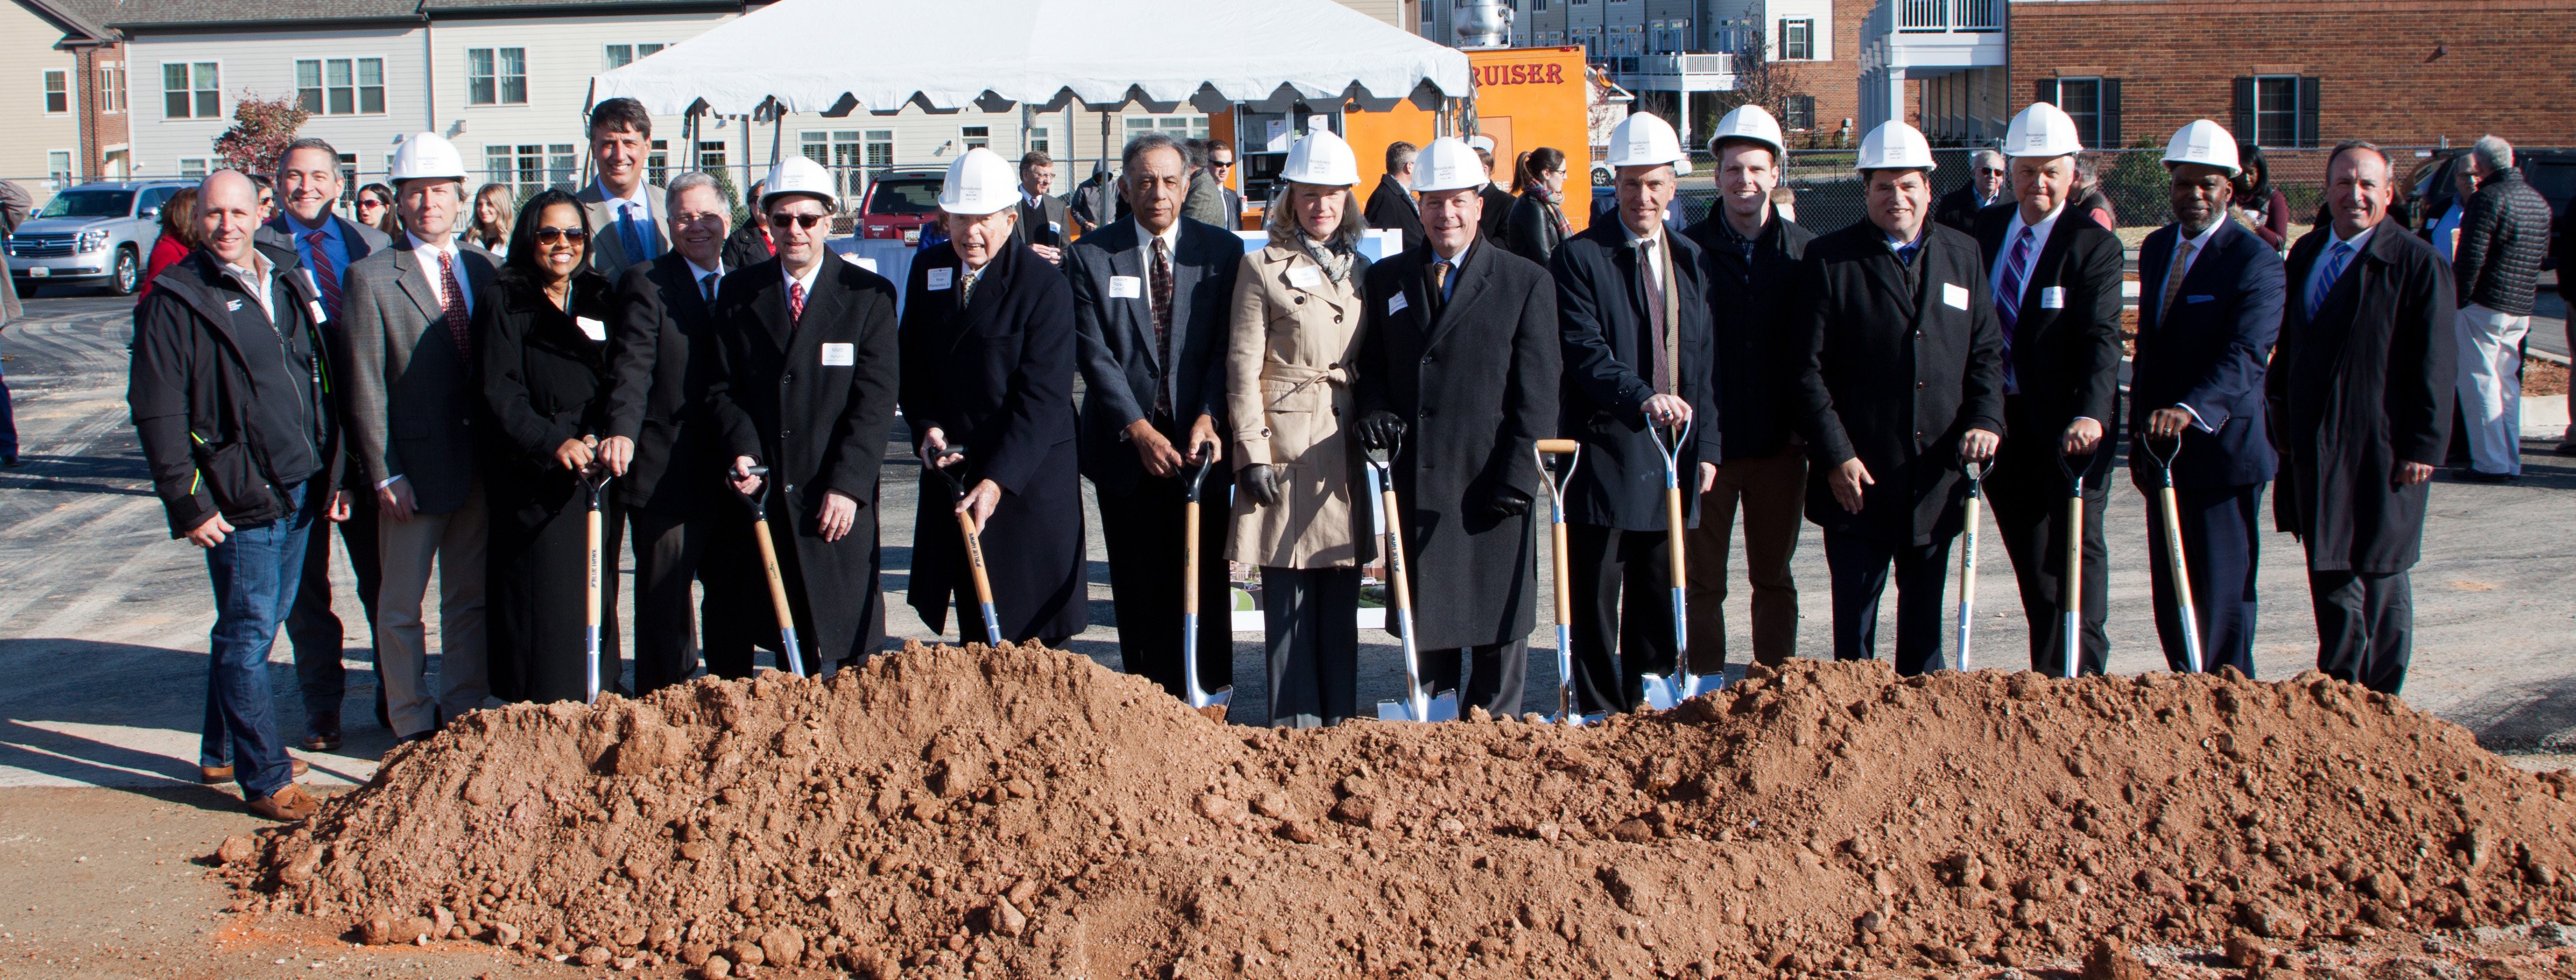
x: 103, y: 617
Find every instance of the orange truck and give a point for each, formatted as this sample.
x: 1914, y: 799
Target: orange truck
x: 1525, y: 98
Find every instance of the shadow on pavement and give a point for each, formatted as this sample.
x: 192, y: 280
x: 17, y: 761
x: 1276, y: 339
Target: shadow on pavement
x: 2524, y: 718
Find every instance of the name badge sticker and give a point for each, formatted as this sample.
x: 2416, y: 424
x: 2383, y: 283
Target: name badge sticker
x: 840, y: 355
x: 2052, y: 297
x: 1395, y: 304
x: 1955, y: 295
x: 1126, y: 287
x: 861, y: 261
x: 314, y: 306
x: 1305, y: 277
x: 232, y: 306
x: 941, y: 278
x: 590, y: 328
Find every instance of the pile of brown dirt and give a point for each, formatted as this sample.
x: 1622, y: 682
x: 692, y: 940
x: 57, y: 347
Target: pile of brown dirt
x: 1024, y: 813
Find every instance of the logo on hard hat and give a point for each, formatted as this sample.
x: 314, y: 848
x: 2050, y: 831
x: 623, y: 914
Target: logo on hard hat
x: 2196, y: 151
x: 1444, y: 173
x: 970, y: 195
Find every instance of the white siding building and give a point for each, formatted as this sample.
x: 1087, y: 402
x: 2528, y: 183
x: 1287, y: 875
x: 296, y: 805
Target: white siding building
x: 40, y: 105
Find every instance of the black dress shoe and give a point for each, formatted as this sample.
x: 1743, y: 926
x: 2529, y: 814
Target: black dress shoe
x: 322, y: 732
x: 2466, y: 475
x: 11, y: 462
x: 2567, y: 448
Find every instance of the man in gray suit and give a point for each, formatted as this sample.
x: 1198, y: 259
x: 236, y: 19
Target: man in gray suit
x: 1044, y: 223
x: 308, y: 183
x: 412, y: 399
x: 628, y: 218
x: 1151, y: 294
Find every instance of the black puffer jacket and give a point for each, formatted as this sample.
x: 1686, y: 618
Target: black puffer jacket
x: 2503, y: 235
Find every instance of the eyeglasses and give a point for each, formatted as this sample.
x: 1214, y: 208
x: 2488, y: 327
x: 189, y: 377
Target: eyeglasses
x: 805, y: 221
x: 549, y: 234
x: 1220, y: 164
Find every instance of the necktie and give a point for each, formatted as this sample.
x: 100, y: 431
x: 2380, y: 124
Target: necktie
x: 1659, y: 326
x: 2008, y: 302
x: 707, y: 288
x: 1162, y: 291
x: 795, y: 302
x: 325, y: 277
x: 633, y: 236
x: 1439, y: 284
x: 2325, y: 284
x: 1905, y: 255
x: 457, y: 325
x: 2173, y: 281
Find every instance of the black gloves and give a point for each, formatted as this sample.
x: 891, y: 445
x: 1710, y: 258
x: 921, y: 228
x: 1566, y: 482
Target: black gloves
x: 1380, y: 429
x: 1259, y: 483
x: 1505, y: 501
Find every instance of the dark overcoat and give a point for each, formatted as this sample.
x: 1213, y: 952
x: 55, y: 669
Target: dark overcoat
x: 996, y: 376
x: 662, y: 355
x: 2364, y: 385
x: 545, y: 381
x: 1390, y: 206
x: 1476, y: 387
x: 1123, y: 369
x: 1757, y: 358
x: 813, y: 399
x: 1601, y: 314
x: 1900, y: 361
x: 2066, y: 337
x: 2207, y: 352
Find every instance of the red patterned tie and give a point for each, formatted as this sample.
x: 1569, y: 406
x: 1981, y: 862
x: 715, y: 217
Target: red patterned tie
x: 795, y: 302
x: 457, y: 325
x: 324, y: 276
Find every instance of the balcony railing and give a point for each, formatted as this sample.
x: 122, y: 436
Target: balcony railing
x: 1929, y: 16
x: 1676, y: 64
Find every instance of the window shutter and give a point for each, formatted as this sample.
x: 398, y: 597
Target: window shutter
x: 2308, y: 112
x: 2245, y: 109
x: 2047, y: 91
x: 2110, y: 114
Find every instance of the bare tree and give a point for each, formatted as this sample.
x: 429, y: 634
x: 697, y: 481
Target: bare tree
x: 1762, y: 81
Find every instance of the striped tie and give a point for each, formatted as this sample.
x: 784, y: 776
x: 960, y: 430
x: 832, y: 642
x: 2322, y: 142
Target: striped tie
x: 458, y: 326
x: 2325, y: 284
x: 2008, y: 302
x: 324, y: 277
x: 796, y: 302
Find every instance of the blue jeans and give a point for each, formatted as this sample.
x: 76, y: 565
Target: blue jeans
x: 255, y: 572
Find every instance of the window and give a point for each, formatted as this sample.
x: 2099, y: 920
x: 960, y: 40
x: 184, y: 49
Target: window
x: 340, y: 86
x: 1798, y: 40
x: 189, y: 91
x: 58, y: 92
x: 2276, y: 111
x: 622, y: 55
x: 530, y: 167
x: 1801, y: 112
x: 880, y: 148
x: 496, y: 76
x: 349, y: 179
x: 111, y: 87
x: 1177, y: 127
x: 1036, y: 140
x: 192, y: 166
x: 58, y: 168
x: 711, y: 155
x: 561, y: 166
x: 975, y: 136
x: 1538, y: 6
x: 840, y: 151
x: 2094, y: 105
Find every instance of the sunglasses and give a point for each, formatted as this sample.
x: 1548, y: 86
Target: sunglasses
x: 805, y: 221
x: 549, y: 234
x: 1220, y: 164
x: 365, y: 203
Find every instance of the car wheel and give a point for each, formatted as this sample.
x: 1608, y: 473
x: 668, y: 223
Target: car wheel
x: 129, y: 273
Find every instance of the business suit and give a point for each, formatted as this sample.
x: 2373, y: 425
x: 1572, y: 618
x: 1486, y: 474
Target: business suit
x: 1900, y: 361
x: 812, y: 398
x: 1391, y: 206
x: 317, y: 632
x: 414, y: 404
x: 1048, y: 222
x: 1764, y: 468
x: 687, y: 525
x: 1127, y: 376
x: 2207, y: 352
x: 1474, y: 377
x: 1618, y: 345
x: 2360, y: 385
x: 1494, y: 223
x: 609, y: 254
x: 2061, y: 363
x: 994, y: 372
x: 1958, y: 209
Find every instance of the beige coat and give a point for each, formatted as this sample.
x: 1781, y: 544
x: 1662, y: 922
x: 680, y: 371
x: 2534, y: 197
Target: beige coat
x: 1288, y: 391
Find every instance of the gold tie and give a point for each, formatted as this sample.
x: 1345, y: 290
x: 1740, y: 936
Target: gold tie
x: 1439, y: 284
x: 2173, y: 281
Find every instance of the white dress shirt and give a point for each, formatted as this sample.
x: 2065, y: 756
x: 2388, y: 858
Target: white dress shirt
x: 2038, y: 242
x: 428, y: 255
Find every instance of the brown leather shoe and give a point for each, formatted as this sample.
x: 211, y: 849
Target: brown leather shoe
x: 217, y: 775
x: 289, y: 804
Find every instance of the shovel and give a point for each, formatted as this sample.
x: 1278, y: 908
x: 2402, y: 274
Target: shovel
x: 2072, y: 586
x: 787, y: 649
x: 974, y: 545
x: 1662, y: 693
x: 1566, y: 714
x: 2173, y: 549
x: 591, y: 607
x: 1200, y: 696
x: 1968, y: 557
x: 1419, y: 703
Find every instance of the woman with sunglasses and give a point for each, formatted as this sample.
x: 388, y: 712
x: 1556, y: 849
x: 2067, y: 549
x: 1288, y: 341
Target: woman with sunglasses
x: 376, y: 210
x: 544, y: 352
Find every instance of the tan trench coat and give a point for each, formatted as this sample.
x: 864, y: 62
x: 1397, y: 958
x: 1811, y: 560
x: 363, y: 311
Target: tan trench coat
x: 1287, y: 387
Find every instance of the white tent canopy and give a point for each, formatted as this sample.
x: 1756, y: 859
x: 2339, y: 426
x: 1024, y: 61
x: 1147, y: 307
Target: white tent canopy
x: 840, y: 56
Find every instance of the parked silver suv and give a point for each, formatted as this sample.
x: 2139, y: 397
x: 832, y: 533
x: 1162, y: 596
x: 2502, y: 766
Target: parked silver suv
x: 92, y: 235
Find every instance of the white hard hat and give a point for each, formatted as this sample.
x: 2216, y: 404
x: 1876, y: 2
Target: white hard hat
x: 1646, y: 140
x: 1750, y: 122
x: 1895, y: 145
x: 427, y: 155
x: 2206, y: 143
x: 1321, y: 158
x: 798, y: 175
x: 1481, y: 141
x: 1447, y: 165
x: 979, y: 182
x: 2042, y: 130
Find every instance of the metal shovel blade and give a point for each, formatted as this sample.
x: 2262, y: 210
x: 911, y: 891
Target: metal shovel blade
x: 1665, y: 693
x: 1435, y: 708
